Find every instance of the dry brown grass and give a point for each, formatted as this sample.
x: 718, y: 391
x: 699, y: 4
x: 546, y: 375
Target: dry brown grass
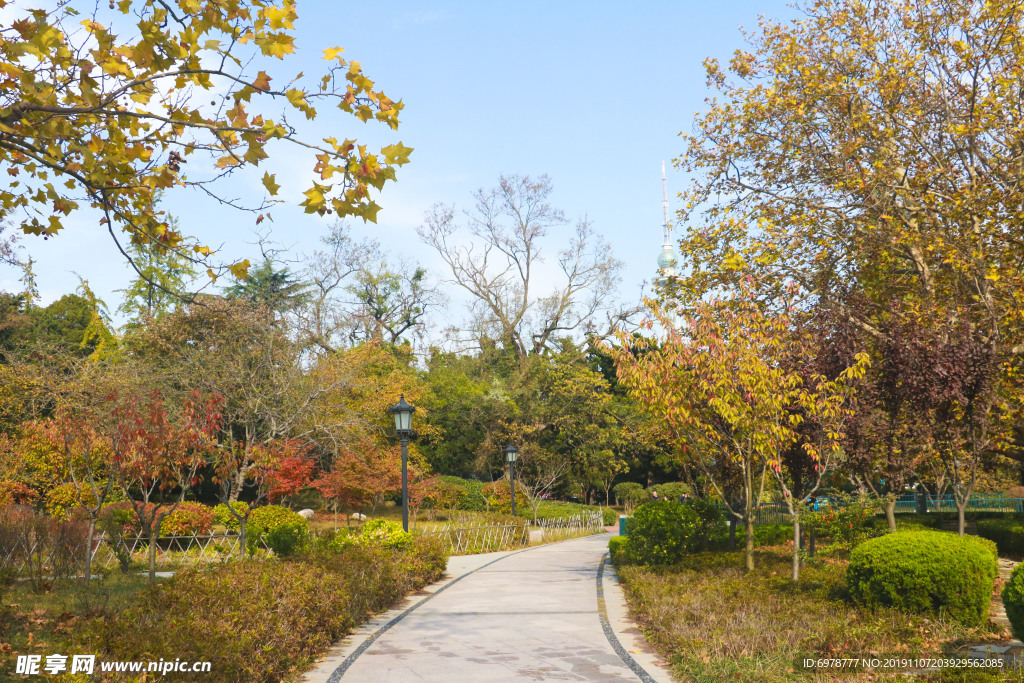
x: 715, y: 622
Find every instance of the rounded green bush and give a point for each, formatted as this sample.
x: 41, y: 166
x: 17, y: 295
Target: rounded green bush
x: 223, y: 516
x: 925, y: 571
x: 283, y: 530
x: 1013, y: 600
x: 385, y: 534
x: 269, y: 517
x: 629, y: 494
x: 617, y: 547
x: 287, y: 539
x: 471, y: 499
x: 672, y: 490
x: 661, y: 532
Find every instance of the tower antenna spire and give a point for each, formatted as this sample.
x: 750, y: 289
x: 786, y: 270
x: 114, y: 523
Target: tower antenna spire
x: 664, y: 203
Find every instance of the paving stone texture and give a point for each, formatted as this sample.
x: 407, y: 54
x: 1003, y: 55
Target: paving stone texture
x: 528, y: 615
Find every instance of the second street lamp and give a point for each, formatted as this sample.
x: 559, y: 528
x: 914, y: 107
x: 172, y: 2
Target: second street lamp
x: 402, y: 413
x: 510, y: 456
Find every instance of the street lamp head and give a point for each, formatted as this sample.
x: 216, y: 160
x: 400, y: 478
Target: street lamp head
x: 402, y: 413
x: 510, y: 453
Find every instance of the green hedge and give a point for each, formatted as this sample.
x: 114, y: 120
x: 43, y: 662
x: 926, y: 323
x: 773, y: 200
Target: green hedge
x: 764, y: 534
x: 284, y: 531
x: 1008, y: 534
x: 618, y: 549
x: 1013, y: 600
x: 925, y: 571
x: 661, y: 532
x: 630, y: 494
x: 670, y: 491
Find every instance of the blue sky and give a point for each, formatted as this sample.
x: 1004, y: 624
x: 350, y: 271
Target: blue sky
x: 594, y: 94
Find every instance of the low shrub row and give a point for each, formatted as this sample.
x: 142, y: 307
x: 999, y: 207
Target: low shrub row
x: 1008, y: 534
x: 262, y: 620
x: 662, y: 532
x: 631, y: 495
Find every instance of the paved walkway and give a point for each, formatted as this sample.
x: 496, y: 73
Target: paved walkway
x: 549, y: 613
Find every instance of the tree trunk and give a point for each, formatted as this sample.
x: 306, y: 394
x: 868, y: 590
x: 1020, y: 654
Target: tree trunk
x: 241, y: 536
x: 796, y: 549
x: 961, y: 508
x: 237, y: 488
x: 890, y: 513
x: 749, y: 513
x: 152, y: 553
x: 750, y: 542
x: 88, y: 549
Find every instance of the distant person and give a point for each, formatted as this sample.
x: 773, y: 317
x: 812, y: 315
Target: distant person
x: 654, y: 495
x: 685, y: 498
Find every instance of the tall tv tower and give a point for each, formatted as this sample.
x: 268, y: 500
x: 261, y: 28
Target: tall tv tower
x: 667, y: 258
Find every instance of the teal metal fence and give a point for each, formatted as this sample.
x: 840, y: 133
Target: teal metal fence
x: 766, y: 513
x: 910, y: 502
x: 778, y: 513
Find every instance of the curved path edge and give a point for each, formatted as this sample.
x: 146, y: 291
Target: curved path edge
x: 622, y: 634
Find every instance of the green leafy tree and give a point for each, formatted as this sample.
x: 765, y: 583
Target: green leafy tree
x: 164, y: 278
x: 274, y: 289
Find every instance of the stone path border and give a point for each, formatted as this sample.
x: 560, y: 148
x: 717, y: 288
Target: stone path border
x: 609, y: 633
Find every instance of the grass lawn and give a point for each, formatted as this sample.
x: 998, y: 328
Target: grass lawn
x: 714, y: 622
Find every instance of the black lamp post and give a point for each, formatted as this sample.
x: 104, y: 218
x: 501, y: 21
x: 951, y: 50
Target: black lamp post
x: 510, y: 455
x: 402, y: 413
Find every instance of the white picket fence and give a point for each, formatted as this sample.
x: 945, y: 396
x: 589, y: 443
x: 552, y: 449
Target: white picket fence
x: 581, y: 524
x: 463, y: 539
x: 25, y: 554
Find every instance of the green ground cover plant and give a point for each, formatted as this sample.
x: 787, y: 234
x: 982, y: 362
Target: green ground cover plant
x: 713, y: 621
x: 925, y: 571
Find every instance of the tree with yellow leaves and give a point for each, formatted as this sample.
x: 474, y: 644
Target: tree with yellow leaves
x: 871, y: 151
x: 103, y: 107
x: 729, y: 385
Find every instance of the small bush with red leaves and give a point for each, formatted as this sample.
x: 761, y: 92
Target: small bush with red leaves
x: 188, y: 519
